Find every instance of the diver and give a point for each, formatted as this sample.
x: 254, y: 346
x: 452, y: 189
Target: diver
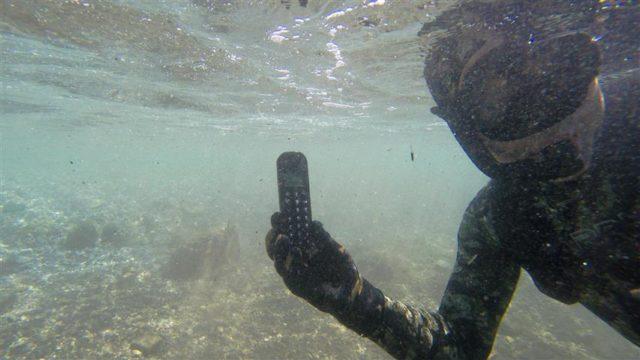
x: 526, y: 95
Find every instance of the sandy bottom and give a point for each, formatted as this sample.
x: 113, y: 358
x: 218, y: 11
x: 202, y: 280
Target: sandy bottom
x: 116, y: 301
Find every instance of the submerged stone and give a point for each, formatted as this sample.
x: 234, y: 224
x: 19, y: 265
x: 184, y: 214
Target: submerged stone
x: 112, y: 234
x: 202, y: 255
x: 187, y: 261
x: 147, y: 344
x: 81, y: 236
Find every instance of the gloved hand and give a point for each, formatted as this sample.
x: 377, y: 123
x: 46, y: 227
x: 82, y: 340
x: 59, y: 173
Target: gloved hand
x: 323, y: 273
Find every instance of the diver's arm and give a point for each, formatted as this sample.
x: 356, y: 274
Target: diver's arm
x: 481, y: 285
x: 478, y: 292
x: 328, y: 279
x: 403, y: 331
x: 477, y: 295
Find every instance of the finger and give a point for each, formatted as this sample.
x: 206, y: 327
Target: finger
x: 318, y: 229
x: 323, y: 241
x: 282, y: 255
x: 319, y: 237
x: 269, y: 243
x: 274, y: 218
x: 328, y: 251
x: 278, y: 222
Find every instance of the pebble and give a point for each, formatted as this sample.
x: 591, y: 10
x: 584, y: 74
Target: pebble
x: 508, y: 339
x: 147, y: 344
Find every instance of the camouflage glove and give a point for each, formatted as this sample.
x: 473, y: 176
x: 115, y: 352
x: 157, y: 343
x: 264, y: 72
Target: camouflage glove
x: 325, y: 275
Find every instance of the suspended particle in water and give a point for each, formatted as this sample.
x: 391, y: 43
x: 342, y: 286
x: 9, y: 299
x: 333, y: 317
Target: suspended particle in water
x: 532, y: 39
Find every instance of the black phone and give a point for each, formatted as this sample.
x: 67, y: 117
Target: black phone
x: 295, y: 202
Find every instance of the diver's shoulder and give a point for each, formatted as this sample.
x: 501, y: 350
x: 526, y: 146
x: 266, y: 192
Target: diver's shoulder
x: 481, y: 203
x: 478, y: 224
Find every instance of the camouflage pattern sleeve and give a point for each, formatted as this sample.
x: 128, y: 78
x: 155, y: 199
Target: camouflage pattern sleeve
x: 481, y: 285
x: 404, y: 332
x: 477, y: 295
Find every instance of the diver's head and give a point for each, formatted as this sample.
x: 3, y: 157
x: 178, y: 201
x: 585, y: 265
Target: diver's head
x: 523, y: 101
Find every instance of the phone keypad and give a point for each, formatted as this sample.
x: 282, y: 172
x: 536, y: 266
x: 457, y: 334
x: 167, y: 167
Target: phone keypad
x: 298, y: 214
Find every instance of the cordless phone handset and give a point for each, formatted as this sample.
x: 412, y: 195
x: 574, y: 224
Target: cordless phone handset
x: 293, y: 190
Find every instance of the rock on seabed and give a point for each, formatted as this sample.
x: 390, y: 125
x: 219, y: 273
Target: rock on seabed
x: 81, y: 236
x: 147, y: 344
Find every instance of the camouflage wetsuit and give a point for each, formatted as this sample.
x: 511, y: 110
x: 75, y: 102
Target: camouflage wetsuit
x: 579, y: 241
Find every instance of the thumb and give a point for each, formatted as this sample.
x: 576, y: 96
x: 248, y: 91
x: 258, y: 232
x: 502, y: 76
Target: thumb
x: 282, y: 257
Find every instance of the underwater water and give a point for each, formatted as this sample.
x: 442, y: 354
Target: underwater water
x: 137, y: 179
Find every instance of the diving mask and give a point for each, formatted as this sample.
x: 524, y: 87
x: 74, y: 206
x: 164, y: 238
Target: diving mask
x: 520, y: 108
